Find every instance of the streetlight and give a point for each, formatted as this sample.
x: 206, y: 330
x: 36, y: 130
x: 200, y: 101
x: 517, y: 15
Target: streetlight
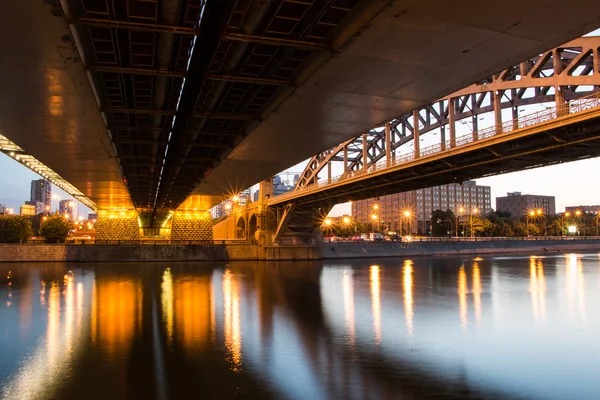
x: 578, y: 214
x: 529, y: 214
x: 407, y: 215
x: 374, y: 218
x: 562, y: 222
x: 475, y: 211
x: 327, y: 222
x: 540, y: 212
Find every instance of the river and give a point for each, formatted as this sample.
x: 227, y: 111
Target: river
x: 518, y: 327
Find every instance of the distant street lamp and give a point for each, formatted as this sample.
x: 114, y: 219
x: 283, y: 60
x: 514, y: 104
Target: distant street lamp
x: 562, y: 222
x: 578, y: 215
x: 475, y: 211
x: 529, y: 214
x: 407, y: 215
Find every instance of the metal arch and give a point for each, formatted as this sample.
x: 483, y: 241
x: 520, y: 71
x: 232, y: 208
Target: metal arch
x: 573, y: 68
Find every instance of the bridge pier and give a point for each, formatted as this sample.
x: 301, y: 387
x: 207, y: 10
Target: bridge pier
x: 191, y: 225
x: 117, y: 225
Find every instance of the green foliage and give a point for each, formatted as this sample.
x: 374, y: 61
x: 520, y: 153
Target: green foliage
x: 14, y: 229
x: 443, y: 223
x: 55, y: 229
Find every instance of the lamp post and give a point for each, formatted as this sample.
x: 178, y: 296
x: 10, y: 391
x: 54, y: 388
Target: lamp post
x: 529, y: 214
x: 461, y: 211
x: 562, y: 222
x: 578, y: 214
x: 475, y: 211
x: 406, y: 217
x: 539, y: 213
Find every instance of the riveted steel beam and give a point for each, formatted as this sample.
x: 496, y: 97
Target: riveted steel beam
x: 132, y: 26
x: 136, y: 71
x: 246, y: 79
x: 269, y: 41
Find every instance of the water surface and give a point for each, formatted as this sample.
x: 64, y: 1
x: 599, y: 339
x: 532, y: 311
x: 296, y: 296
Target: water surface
x: 504, y: 327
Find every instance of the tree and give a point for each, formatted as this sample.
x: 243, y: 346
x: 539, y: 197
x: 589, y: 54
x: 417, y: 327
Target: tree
x: 442, y: 222
x: 55, y: 229
x: 14, y: 229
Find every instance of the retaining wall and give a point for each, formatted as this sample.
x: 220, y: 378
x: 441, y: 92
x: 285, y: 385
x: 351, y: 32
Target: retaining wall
x: 393, y: 249
x: 224, y: 252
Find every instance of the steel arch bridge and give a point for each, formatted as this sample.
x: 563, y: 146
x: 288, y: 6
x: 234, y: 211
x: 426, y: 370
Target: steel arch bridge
x: 566, y: 73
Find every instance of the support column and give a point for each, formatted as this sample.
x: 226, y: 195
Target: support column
x: 515, y: 109
x: 596, y: 56
x: 117, y: 225
x: 346, y: 160
x: 559, y: 99
x: 365, y: 154
x: 416, y: 135
x: 474, y: 118
x: 452, y: 121
x: 559, y: 94
x: 191, y: 225
x: 443, y: 137
x: 388, y: 144
x: 497, y: 110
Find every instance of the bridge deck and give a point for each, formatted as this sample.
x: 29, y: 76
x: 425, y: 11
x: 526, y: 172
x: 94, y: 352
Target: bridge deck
x: 544, y: 138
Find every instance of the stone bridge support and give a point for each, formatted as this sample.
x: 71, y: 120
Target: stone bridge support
x: 117, y: 225
x: 191, y: 225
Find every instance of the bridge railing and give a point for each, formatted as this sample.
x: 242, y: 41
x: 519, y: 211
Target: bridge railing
x: 522, y: 122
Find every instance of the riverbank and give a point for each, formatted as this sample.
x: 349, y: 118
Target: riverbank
x: 450, y: 248
x: 247, y: 251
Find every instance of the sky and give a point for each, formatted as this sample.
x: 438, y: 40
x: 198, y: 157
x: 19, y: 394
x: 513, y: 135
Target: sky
x: 572, y: 184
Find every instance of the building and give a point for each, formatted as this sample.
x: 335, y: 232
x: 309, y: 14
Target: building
x: 40, y: 208
x: 518, y: 205
x: 41, y: 192
x: 421, y: 203
x: 28, y: 210
x: 583, y: 209
x: 68, y: 207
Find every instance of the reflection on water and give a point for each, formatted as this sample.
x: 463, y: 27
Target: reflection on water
x: 303, y: 329
x: 407, y: 288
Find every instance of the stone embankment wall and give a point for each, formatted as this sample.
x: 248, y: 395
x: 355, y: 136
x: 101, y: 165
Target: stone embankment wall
x: 247, y: 251
x: 149, y: 252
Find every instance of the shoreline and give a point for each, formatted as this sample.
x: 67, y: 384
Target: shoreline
x: 254, y: 252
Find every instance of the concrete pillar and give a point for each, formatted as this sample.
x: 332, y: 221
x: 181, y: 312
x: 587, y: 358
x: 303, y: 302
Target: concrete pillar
x: 388, y: 144
x: 191, y: 225
x: 265, y: 189
x: 117, y: 225
x: 497, y: 110
x: 452, y: 121
x: 416, y: 135
x: 365, y: 154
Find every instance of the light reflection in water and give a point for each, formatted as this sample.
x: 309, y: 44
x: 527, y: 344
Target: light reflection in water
x: 349, y: 312
x: 575, y: 282
x: 192, y: 311
x: 232, y: 324
x: 117, y: 315
x: 477, y: 291
x: 44, y: 370
x: 376, y: 301
x: 462, y: 296
x: 537, y: 288
x: 166, y: 300
x: 407, y: 288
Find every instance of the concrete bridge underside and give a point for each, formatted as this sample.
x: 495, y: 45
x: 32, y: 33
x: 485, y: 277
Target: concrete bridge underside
x: 377, y: 60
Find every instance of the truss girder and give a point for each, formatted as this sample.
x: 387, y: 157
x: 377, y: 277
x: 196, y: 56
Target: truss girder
x: 572, y: 70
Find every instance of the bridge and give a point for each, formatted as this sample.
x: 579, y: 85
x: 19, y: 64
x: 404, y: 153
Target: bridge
x: 389, y: 159
x: 143, y: 109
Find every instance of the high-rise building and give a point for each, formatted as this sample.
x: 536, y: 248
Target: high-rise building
x: 41, y: 192
x: 421, y: 203
x: 518, y: 205
x: 68, y: 207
